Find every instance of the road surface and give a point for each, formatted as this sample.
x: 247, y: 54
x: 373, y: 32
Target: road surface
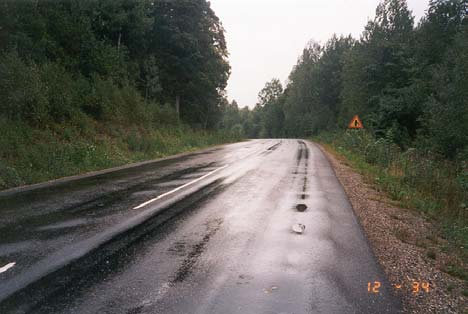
x: 206, y: 232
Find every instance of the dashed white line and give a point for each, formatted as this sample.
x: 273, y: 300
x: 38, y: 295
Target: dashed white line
x: 179, y: 188
x: 6, y: 267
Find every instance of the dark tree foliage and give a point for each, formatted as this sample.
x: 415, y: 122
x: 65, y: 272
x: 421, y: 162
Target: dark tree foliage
x: 408, y: 83
x: 108, y: 50
x: 188, y: 41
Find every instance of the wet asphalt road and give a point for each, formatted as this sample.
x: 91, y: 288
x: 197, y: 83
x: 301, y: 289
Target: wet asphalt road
x: 207, y: 232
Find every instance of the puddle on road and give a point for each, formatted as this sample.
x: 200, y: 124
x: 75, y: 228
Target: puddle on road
x: 301, y: 207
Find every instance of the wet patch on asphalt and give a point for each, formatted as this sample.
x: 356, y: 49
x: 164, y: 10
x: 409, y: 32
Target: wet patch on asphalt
x: 274, y: 147
x: 179, y: 248
x: 196, y: 250
x: 302, y: 165
x: 98, y: 207
x: 244, y: 279
x: 301, y: 170
x: 64, y: 225
x: 50, y: 294
x: 271, y: 149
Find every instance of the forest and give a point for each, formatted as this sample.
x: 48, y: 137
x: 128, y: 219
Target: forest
x: 89, y: 84
x: 74, y: 57
x: 408, y: 83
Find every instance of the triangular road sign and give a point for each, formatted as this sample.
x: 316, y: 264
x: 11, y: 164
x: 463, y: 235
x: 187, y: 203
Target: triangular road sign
x: 355, y: 123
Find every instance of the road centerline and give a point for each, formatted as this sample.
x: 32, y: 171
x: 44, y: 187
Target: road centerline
x: 7, y: 267
x: 179, y: 188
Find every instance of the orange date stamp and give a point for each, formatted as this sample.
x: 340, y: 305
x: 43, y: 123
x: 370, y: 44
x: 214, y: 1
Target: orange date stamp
x: 416, y: 287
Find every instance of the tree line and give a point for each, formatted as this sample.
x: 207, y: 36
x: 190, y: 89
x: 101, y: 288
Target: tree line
x: 408, y: 83
x: 145, y: 61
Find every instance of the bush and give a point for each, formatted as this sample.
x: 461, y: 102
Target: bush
x: 8, y: 176
x: 22, y: 91
x: 428, y: 182
x: 61, y: 91
x: 237, y: 131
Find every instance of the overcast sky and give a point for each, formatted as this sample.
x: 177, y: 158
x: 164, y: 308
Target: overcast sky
x: 265, y: 37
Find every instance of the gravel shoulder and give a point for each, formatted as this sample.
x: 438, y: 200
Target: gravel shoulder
x: 407, y: 246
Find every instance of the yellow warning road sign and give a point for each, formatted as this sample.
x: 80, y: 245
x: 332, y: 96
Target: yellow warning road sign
x: 355, y: 123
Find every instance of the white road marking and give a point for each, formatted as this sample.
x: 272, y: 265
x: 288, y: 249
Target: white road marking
x: 179, y: 188
x: 6, y: 267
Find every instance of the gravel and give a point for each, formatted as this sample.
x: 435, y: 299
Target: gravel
x: 407, y: 246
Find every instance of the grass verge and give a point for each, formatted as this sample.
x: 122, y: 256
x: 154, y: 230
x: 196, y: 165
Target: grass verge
x: 436, y: 188
x: 30, y: 155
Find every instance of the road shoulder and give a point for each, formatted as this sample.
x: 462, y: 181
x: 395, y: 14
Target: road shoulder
x: 405, y: 244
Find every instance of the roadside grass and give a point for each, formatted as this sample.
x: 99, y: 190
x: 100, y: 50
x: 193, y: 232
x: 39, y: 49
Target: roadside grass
x: 435, y: 188
x: 30, y: 155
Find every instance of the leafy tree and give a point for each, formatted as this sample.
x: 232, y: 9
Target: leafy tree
x: 270, y: 93
x: 388, y: 44
x: 446, y: 112
x: 188, y: 40
x: 437, y: 30
x: 330, y: 86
